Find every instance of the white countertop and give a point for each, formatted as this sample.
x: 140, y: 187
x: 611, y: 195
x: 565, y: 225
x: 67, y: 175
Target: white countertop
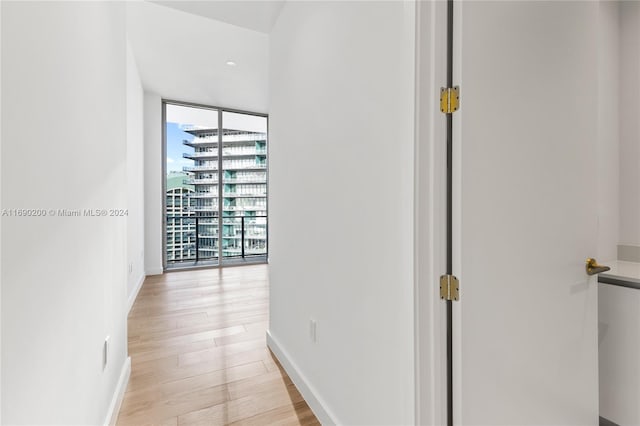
x: 621, y: 270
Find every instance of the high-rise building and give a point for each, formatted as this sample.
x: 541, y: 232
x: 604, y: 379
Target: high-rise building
x: 180, y: 223
x: 233, y: 187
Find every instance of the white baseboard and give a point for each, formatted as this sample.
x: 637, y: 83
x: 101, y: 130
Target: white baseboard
x: 307, y: 391
x: 118, y: 395
x: 154, y: 271
x: 134, y: 293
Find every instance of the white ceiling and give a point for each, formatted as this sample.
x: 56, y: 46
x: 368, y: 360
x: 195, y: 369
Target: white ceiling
x: 182, y: 56
x: 254, y: 15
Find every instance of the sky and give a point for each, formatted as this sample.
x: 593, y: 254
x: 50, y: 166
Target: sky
x: 175, y: 148
x: 178, y: 116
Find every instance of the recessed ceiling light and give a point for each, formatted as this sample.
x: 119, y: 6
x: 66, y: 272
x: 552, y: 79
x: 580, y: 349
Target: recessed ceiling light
x: 231, y: 63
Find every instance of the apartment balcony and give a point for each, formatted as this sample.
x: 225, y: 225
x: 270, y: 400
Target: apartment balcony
x: 249, y: 166
x: 174, y: 243
x: 200, y: 142
x: 243, y: 195
x: 201, y: 209
x: 234, y: 181
x: 180, y: 231
x: 246, y: 167
x: 199, y: 155
x: 175, y: 222
x: 180, y: 246
x: 203, y: 195
x: 245, y: 181
x: 241, y: 154
x: 208, y: 236
x: 209, y: 168
x: 235, y: 139
x: 179, y: 234
x: 248, y: 137
x: 245, y: 237
x: 225, y: 153
x: 244, y: 208
x: 207, y: 181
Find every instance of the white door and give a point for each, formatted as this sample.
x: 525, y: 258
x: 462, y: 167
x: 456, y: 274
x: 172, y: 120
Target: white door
x: 525, y: 329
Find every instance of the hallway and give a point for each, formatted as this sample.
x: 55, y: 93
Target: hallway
x: 198, y: 353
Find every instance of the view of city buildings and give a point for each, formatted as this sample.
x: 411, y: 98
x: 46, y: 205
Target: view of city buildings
x: 180, y: 232
x: 217, y: 203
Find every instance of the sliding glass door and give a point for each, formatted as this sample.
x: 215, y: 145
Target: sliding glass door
x: 216, y: 186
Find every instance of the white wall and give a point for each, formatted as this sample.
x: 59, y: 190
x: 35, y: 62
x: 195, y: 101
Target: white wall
x: 63, y: 147
x: 153, y: 198
x: 0, y: 221
x: 183, y: 57
x: 608, y: 156
x: 341, y: 203
x: 630, y: 123
x: 135, y: 179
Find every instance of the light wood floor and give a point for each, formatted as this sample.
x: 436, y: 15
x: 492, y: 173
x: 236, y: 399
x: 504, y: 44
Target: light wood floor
x: 198, y: 353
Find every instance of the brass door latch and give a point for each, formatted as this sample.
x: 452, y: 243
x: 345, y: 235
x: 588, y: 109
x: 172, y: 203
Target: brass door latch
x: 593, y: 268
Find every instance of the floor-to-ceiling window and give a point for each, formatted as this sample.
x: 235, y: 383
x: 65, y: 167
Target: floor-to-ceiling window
x: 215, y: 186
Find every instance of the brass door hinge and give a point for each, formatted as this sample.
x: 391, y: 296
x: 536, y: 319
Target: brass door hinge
x: 449, y: 287
x: 449, y: 99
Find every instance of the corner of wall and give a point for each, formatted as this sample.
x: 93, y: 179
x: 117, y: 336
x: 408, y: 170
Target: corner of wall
x: 629, y: 107
x: 308, y: 392
x: 135, y: 177
x: 153, y: 197
x: 134, y: 292
x: 118, y: 394
x: 154, y: 271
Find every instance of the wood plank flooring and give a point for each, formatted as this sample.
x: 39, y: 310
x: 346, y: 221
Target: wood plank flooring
x: 199, y: 354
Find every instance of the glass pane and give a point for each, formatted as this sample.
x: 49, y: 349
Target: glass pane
x: 244, y: 178
x: 192, y: 184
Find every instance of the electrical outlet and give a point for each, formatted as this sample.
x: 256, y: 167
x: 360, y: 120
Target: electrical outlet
x: 105, y: 352
x: 313, y: 330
